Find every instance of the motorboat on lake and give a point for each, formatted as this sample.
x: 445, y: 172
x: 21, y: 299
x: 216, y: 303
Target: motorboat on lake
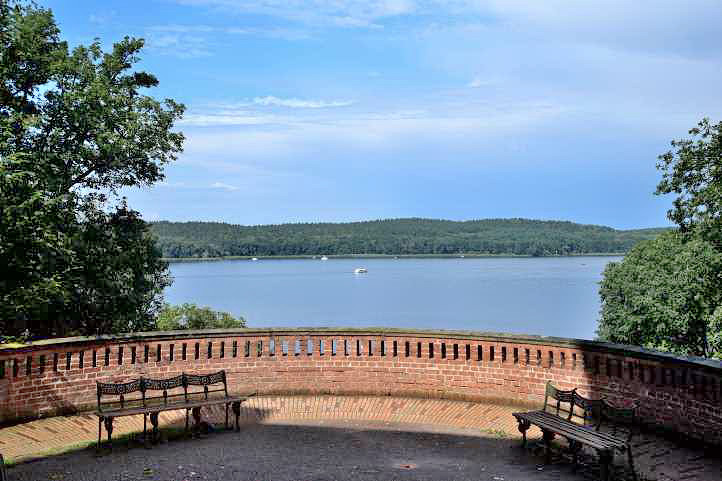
x: 360, y: 270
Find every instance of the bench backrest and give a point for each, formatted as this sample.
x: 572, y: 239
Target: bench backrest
x: 119, y: 392
x: 619, y: 420
x: 170, y: 387
x: 204, y: 381
x: 585, y: 411
x: 557, y: 397
x: 599, y: 414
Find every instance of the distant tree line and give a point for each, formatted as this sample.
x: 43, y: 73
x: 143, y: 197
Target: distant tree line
x: 394, y: 237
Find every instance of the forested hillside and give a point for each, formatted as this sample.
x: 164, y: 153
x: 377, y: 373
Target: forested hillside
x: 394, y: 237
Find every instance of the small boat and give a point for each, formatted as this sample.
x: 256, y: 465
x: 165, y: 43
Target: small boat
x: 254, y: 259
x: 360, y: 270
x: 324, y: 258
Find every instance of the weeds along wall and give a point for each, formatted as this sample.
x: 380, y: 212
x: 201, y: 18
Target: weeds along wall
x: 679, y: 394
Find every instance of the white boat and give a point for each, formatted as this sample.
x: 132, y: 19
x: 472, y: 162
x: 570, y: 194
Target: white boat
x: 360, y: 270
x: 324, y: 258
x: 254, y: 259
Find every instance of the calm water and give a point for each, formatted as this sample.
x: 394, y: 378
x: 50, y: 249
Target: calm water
x: 548, y: 296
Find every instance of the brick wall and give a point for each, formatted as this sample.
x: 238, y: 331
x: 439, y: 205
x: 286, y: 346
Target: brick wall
x: 59, y: 376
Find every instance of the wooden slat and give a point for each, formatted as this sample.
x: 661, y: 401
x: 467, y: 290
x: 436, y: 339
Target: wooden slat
x: 575, y: 432
x: 170, y: 407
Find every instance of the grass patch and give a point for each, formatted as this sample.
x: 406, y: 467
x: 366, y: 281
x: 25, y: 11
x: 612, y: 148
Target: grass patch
x: 124, y: 442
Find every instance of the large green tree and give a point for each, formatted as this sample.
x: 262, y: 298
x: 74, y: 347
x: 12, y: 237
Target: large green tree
x: 76, y: 127
x: 667, y: 293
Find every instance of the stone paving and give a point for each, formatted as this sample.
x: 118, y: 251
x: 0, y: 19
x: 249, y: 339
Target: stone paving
x: 278, y: 420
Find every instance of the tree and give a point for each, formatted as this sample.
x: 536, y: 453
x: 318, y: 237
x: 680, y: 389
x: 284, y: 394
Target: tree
x: 665, y: 295
x: 190, y: 316
x: 75, y: 127
x: 34, y: 249
x: 693, y: 170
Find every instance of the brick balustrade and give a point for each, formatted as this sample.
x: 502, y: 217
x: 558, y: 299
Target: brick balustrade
x: 58, y: 376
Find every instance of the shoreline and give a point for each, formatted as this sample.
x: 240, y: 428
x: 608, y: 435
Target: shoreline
x: 383, y: 256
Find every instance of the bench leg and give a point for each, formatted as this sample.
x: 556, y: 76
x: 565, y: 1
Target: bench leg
x: 154, y: 422
x: 575, y: 447
x: 226, y: 416
x: 631, y: 462
x: 100, y: 432
x: 236, y: 406
x: 109, y: 428
x: 145, y: 430
x: 187, y: 413
x: 3, y: 473
x: 523, y: 426
x: 605, y: 463
x: 197, y: 420
x: 548, y: 436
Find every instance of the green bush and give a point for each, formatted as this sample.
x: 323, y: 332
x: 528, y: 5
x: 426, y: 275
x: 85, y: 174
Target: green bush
x: 190, y: 316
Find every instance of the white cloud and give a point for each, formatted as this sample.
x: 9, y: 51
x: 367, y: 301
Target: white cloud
x: 318, y: 13
x: 179, y: 45
x: 478, y: 82
x: 271, y: 101
x: 102, y: 18
x: 228, y: 118
x: 221, y: 185
x: 170, y: 184
x: 268, y: 32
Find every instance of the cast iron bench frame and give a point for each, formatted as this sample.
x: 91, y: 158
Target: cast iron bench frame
x: 594, y: 413
x: 152, y: 406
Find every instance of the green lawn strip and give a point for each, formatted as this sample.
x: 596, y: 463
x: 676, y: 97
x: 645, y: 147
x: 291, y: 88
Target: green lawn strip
x: 119, y: 442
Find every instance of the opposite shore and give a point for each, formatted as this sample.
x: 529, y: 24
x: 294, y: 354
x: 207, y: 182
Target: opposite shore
x: 385, y: 256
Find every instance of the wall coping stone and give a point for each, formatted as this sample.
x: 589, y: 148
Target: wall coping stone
x: 596, y: 346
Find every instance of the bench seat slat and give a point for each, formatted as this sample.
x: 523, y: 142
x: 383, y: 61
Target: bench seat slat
x: 570, y: 430
x: 120, y: 412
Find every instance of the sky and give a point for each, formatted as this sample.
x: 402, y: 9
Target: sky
x: 343, y: 110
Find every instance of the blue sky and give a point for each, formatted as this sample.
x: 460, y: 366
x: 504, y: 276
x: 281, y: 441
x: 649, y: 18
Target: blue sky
x: 338, y: 110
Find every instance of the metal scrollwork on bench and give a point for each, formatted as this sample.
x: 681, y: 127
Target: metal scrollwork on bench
x: 205, y: 379
x: 115, y: 389
x: 162, y: 384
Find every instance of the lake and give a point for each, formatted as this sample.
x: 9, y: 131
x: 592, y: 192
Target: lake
x: 553, y: 296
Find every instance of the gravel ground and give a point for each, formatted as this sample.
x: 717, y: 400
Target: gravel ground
x: 348, y: 451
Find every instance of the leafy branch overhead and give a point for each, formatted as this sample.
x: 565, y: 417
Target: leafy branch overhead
x: 76, y: 125
x: 693, y: 171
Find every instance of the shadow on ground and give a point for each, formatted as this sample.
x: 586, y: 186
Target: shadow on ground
x: 305, y: 452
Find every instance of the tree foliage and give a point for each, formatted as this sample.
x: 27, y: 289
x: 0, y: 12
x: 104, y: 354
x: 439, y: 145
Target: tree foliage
x: 190, y: 316
x: 75, y: 127
x: 394, y: 237
x: 693, y: 171
x: 665, y: 295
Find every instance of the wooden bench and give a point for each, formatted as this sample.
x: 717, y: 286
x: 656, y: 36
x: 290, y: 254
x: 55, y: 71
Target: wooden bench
x: 136, y: 397
x: 583, y: 422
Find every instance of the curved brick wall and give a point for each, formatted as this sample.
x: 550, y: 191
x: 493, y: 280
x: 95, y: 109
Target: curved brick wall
x: 58, y: 376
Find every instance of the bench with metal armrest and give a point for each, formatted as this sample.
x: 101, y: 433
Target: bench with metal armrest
x: 150, y: 397
x: 583, y: 422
